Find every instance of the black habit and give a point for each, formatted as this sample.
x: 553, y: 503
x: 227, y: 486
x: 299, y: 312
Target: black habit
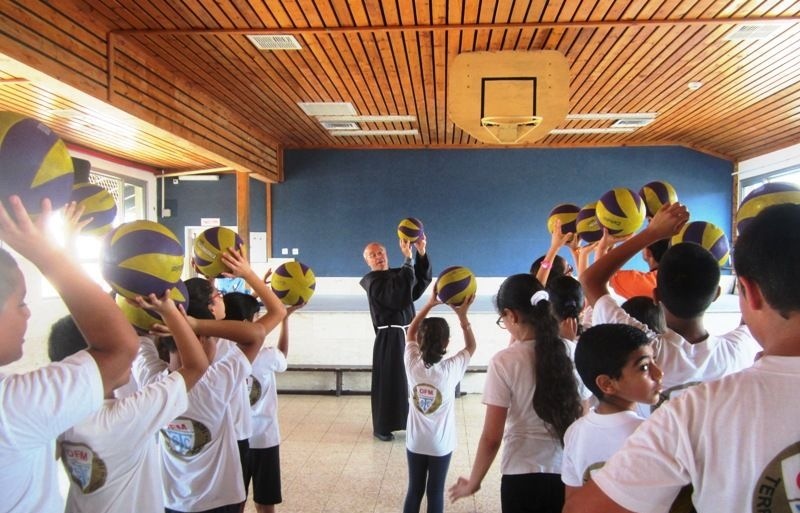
x: 391, y: 296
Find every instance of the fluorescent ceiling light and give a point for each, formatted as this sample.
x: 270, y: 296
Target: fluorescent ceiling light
x: 327, y: 108
x: 272, y: 42
x: 359, y: 133
x: 370, y: 119
x: 566, y: 131
x: 612, y: 115
x: 631, y: 123
x: 339, y: 125
x: 199, y: 178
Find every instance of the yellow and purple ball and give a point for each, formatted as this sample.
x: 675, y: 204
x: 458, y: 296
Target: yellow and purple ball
x: 34, y: 163
x: 708, y: 235
x: 455, y: 284
x: 586, y: 224
x: 621, y: 211
x: 143, y: 318
x: 774, y: 193
x: 294, y: 283
x: 141, y: 258
x: 410, y: 229
x: 657, y: 194
x: 567, y: 213
x: 98, y: 204
x: 209, y: 247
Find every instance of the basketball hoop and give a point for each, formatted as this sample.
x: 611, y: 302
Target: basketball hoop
x: 510, y: 129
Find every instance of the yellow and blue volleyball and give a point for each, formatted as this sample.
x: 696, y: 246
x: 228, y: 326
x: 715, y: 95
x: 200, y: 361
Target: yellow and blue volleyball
x: 141, y: 258
x: 586, y: 224
x: 294, y: 283
x: 143, y: 318
x: 657, y: 194
x: 209, y: 247
x: 410, y: 229
x: 567, y: 213
x: 98, y: 204
x: 34, y: 163
x: 455, y: 284
x: 621, y: 211
x: 774, y: 193
x: 708, y: 235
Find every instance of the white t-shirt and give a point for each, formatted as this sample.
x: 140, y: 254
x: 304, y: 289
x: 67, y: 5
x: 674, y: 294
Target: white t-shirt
x: 685, y: 364
x: 591, y: 440
x: 35, y: 408
x: 148, y: 367
x: 431, y: 421
x: 264, y: 397
x: 112, y: 456
x: 528, y: 446
x: 240, y: 404
x: 735, y: 440
x: 199, y: 454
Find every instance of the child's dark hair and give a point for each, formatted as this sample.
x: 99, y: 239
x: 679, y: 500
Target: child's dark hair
x: 165, y: 346
x: 8, y: 275
x: 646, y: 311
x: 566, y: 297
x: 558, y: 267
x: 604, y: 349
x: 658, y: 248
x: 687, y: 280
x: 240, y: 306
x: 201, y: 292
x: 766, y: 253
x: 434, y: 334
x: 555, y: 398
x: 65, y: 339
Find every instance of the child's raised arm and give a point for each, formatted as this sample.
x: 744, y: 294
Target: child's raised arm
x: 283, y: 338
x: 667, y: 221
x: 461, y: 311
x: 557, y: 239
x: 194, y: 361
x: 111, y: 339
x: 413, y: 328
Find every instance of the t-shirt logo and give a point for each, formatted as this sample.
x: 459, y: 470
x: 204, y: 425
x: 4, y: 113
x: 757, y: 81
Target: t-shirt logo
x: 427, y: 398
x: 185, y: 437
x: 85, y: 468
x: 778, y: 488
x: 253, y: 389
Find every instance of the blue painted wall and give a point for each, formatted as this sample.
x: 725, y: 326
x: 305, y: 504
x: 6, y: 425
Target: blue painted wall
x: 486, y: 209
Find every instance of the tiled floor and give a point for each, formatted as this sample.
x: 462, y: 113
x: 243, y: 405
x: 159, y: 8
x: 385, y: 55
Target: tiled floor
x: 331, y: 463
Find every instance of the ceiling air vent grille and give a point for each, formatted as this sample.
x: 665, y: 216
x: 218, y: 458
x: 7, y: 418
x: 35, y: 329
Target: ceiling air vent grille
x: 752, y: 31
x: 275, y: 42
x: 340, y: 125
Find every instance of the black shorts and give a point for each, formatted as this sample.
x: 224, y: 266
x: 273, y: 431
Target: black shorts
x: 244, y: 449
x: 264, y: 468
x: 531, y: 493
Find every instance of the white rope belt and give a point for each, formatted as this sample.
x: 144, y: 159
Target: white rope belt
x: 392, y: 326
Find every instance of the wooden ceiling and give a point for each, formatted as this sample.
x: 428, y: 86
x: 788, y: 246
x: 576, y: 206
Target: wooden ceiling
x: 176, y: 85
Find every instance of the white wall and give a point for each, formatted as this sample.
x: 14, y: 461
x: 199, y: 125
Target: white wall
x: 781, y: 159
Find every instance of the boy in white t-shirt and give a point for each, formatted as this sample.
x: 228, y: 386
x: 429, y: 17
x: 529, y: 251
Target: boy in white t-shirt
x: 615, y: 362
x: 38, y: 406
x: 262, y: 463
x: 736, y: 439
x: 687, y: 283
x: 201, y: 459
x: 114, y: 477
x: 432, y: 381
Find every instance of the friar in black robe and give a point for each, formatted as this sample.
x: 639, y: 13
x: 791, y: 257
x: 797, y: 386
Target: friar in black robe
x: 391, y: 294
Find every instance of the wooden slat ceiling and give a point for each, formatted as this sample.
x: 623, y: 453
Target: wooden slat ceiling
x: 198, y: 94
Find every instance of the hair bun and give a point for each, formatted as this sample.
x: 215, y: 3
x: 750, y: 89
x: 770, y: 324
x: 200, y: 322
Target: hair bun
x: 539, y: 295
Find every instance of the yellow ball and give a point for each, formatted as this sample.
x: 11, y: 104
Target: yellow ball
x: 708, y: 235
x: 621, y: 211
x: 293, y: 283
x: 657, y: 194
x: 587, y: 226
x: 209, y: 247
x: 144, y: 319
x: 455, y: 284
x: 98, y: 204
x: 567, y: 213
x: 773, y: 193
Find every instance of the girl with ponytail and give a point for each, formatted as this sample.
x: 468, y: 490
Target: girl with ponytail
x: 531, y: 396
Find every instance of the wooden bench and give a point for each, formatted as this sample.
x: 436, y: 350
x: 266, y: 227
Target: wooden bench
x: 339, y: 371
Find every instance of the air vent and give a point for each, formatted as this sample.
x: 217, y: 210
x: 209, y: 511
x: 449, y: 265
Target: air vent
x: 752, y: 31
x: 274, y: 42
x: 631, y: 123
x: 327, y: 108
x: 340, y: 125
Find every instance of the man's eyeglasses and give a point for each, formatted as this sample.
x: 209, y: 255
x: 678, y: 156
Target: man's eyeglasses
x: 501, y: 323
x: 216, y: 295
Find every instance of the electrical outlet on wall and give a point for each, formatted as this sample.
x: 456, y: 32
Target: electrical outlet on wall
x: 284, y: 251
x: 295, y: 251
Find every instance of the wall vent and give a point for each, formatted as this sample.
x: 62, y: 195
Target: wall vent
x: 340, y: 125
x: 270, y: 42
